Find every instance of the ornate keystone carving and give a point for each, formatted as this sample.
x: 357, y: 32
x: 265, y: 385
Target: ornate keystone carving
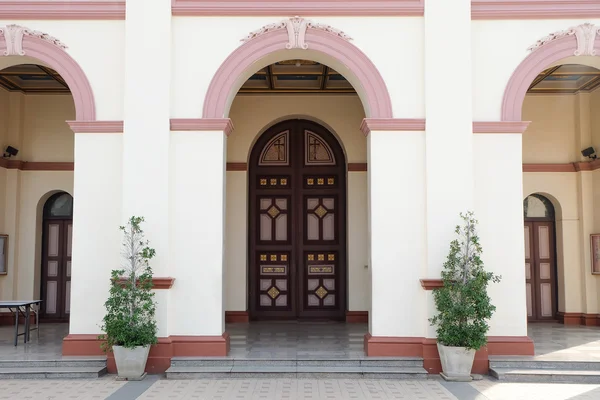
x: 296, y: 29
x: 584, y: 33
x: 13, y: 35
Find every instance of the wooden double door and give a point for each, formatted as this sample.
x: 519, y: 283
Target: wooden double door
x: 540, y: 270
x: 297, y: 229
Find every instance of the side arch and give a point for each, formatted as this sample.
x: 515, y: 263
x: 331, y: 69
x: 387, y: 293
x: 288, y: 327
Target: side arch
x: 55, y: 57
x: 322, y: 46
x: 531, y: 66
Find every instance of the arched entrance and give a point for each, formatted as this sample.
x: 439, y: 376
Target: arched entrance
x: 56, y: 257
x: 296, y: 227
x: 540, y: 258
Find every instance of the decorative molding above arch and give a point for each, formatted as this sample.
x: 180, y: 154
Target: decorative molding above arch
x: 16, y: 40
x: 576, y: 41
x: 297, y: 33
x: 296, y: 29
x: 585, y: 34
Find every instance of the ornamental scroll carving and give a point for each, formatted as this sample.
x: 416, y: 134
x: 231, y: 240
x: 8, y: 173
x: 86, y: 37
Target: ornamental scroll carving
x: 296, y: 29
x: 585, y: 34
x: 13, y: 36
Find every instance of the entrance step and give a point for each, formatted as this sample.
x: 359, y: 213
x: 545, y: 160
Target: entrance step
x: 70, y: 368
x: 224, y: 367
x: 536, y: 370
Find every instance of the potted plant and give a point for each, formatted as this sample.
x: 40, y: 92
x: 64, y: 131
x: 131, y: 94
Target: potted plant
x: 129, y: 323
x: 462, y: 303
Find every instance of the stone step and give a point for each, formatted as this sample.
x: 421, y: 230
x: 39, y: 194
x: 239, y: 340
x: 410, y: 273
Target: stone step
x: 296, y: 371
x: 54, y: 363
x: 544, y: 364
x: 398, y: 362
x: 52, y: 372
x: 545, y: 375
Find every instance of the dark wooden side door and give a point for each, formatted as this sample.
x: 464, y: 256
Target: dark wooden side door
x: 540, y: 270
x: 56, y: 269
x: 297, y: 229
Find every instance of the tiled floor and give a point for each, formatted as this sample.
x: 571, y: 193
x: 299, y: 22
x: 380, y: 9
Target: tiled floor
x: 297, y: 340
x: 297, y: 389
x: 47, y: 347
x: 100, y: 388
x: 565, y: 343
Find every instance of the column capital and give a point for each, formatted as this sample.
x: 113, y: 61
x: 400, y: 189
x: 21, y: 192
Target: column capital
x: 391, y: 124
x: 96, y: 126
x: 500, y: 126
x: 202, y: 124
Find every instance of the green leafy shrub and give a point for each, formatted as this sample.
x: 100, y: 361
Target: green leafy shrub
x: 463, y: 304
x: 130, y: 307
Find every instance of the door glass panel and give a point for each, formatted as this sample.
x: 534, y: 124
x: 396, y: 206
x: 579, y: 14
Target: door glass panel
x: 68, y: 268
x: 544, y: 242
x: 68, y: 297
x: 312, y: 227
x: 69, y: 239
x: 529, y: 300
x: 527, y: 244
x: 281, y: 203
x: 329, y: 227
x: 265, y: 227
x: 281, y: 227
x: 265, y: 203
x: 51, y: 293
x: 546, y: 291
x: 329, y: 204
x: 527, y: 271
x: 53, y: 236
x: 52, y: 268
x: 545, y: 271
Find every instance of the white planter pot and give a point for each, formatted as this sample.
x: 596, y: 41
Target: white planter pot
x: 131, y: 362
x: 457, y: 362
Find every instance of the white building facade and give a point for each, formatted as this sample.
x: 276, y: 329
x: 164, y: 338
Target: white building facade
x: 301, y: 160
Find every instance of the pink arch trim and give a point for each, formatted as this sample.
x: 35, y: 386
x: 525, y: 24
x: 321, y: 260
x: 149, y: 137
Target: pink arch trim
x: 530, y: 67
x: 69, y: 70
x: 222, y: 85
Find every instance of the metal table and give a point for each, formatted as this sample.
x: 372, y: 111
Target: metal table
x: 23, y: 307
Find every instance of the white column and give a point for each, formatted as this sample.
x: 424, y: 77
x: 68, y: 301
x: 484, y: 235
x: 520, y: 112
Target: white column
x: 197, y: 226
x: 499, y: 209
x: 396, y: 197
x: 146, y: 129
x: 96, y: 246
x: 448, y: 109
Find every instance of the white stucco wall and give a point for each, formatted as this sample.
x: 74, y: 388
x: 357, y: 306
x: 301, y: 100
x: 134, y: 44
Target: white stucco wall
x: 401, y: 68
x: 98, y: 48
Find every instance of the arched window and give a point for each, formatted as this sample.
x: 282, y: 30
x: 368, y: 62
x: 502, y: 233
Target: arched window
x: 59, y: 206
x: 538, y: 207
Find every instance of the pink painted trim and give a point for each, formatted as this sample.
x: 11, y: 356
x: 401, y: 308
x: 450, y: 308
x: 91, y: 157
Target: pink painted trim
x: 244, y: 8
x: 391, y: 124
x: 500, y: 126
x: 63, y: 10
x: 530, y: 67
x: 202, y: 124
x: 223, y: 85
x: 96, y: 126
x: 534, y: 9
x: 69, y: 70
